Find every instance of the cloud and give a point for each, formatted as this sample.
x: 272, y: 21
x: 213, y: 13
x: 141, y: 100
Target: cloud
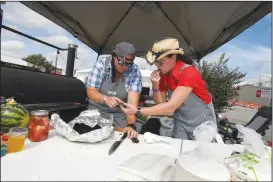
x: 58, y: 40
x: 13, y: 60
x: 21, y: 15
x: 13, y: 27
x: 86, y: 59
x: 250, y: 59
x: 251, y: 81
x: 264, y: 79
x: 255, y: 60
x: 12, y: 45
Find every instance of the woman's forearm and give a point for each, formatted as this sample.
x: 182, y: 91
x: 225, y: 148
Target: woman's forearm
x: 160, y: 109
x: 158, y: 98
x: 95, y: 95
x: 180, y: 94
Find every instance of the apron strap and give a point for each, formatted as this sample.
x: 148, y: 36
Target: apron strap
x: 106, y: 64
x: 107, y: 61
x: 183, y: 67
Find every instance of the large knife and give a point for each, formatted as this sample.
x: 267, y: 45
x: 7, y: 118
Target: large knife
x: 116, y: 144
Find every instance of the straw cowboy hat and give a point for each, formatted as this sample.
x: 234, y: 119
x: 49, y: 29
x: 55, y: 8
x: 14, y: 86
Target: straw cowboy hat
x: 162, y: 48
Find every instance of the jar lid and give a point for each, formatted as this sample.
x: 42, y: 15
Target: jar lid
x: 39, y: 112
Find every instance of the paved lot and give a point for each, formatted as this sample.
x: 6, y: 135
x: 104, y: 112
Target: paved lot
x: 242, y: 115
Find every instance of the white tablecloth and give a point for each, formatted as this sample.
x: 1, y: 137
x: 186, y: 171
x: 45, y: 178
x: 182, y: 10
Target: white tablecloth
x: 58, y: 159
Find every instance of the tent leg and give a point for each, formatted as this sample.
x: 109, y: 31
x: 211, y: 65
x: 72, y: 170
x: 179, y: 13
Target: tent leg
x: 98, y: 57
x: 71, y: 55
x: 1, y: 19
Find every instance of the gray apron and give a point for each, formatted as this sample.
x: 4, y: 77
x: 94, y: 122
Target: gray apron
x: 192, y: 113
x: 116, y: 89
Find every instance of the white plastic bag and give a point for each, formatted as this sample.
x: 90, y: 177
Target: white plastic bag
x: 90, y: 118
x: 249, y: 167
x: 252, y: 140
x: 199, y: 164
x: 254, y: 164
x: 205, y: 132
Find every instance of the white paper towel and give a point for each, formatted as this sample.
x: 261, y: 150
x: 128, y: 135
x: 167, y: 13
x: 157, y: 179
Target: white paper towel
x: 147, y: 167
x: 151, y: 138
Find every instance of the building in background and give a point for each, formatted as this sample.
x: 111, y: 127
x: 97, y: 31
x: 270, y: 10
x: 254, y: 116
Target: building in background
x: 248, y: 93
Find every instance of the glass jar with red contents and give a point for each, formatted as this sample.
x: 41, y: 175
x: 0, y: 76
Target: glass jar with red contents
x: 38, y: 126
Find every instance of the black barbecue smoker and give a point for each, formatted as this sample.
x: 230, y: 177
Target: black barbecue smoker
x: 37, y: 90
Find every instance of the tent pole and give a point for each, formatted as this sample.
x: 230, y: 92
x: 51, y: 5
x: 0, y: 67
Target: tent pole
x: 1, y: 19
x: 56, y: 61
x: 71, y: 55
x: 98, y: 57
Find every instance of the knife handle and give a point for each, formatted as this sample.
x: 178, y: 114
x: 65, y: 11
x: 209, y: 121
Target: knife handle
x: 124, y: 136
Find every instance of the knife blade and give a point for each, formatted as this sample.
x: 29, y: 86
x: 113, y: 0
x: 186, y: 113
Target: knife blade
x: 116, y: 144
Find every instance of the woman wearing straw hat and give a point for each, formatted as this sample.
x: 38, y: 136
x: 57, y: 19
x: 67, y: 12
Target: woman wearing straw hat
x: 190, y: 101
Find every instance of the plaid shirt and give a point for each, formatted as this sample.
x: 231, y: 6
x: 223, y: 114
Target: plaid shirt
x: 133, y: 78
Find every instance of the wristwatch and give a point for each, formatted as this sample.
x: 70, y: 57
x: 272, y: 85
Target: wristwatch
x: 138, y: 113
x: 132, y: 126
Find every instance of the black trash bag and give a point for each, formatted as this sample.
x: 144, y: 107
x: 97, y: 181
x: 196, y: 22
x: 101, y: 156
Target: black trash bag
x: 82, y: 128
x: 152, y: 125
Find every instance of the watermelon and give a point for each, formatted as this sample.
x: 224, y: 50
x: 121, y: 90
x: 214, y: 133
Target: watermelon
x: 13, y: 115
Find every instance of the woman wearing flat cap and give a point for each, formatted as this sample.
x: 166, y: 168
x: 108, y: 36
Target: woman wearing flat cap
x: 116, y: 78
x: 190, y: 101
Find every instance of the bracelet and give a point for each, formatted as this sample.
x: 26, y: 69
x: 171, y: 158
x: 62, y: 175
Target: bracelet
x: 105, y: 98
x: 155, y: 90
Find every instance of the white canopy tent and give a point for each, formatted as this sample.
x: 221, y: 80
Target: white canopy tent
x: 201, y: 27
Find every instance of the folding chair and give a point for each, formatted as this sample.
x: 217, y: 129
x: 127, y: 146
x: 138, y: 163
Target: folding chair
x: 260, y: 122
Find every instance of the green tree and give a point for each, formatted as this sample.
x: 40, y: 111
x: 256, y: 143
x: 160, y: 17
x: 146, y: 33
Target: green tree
x: 39, y: 61
x: 221, y: 81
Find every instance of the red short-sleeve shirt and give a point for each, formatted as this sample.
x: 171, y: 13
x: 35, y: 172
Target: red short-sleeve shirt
x: 190, y: 77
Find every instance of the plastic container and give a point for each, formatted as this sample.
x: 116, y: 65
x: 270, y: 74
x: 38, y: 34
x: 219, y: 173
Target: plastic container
x: 38, y: 126
x: 3, y: 150
x: 198, y: 165
x: 16, y: 140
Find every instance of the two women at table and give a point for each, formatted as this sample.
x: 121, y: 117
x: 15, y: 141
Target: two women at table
x: 190, y: 101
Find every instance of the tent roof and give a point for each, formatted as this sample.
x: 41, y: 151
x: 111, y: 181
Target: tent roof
x: 201, y: 27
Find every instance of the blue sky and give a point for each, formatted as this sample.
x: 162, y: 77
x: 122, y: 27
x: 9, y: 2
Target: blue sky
x: 250, y: 51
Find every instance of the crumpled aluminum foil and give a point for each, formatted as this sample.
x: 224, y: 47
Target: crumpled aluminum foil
x: 90, y: 118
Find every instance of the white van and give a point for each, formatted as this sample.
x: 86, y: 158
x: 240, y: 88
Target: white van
x: 82, y: 75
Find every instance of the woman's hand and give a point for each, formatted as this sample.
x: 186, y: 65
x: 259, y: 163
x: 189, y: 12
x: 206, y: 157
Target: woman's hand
x: 129, y: 110
x: 112, y: 102
x: 130, y: 132
x: 155, y: 78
